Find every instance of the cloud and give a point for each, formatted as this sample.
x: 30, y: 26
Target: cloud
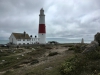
x: 91, y: 17
x: 64, y: 18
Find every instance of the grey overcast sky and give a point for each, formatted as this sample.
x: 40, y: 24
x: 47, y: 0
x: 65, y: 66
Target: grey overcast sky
x: 64, y: 18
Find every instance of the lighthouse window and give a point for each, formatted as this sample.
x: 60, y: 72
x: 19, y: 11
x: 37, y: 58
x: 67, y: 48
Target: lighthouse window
x: 42, y: 34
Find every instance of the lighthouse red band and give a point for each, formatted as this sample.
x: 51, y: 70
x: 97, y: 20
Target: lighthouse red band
x: 42, y: 28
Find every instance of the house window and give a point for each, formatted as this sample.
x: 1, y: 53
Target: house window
x: 23, y: 39
x: 12, y: 40
x: 28, y: 39
x: 28, y: 43
x: 23, y: 43
x: 19, y: 39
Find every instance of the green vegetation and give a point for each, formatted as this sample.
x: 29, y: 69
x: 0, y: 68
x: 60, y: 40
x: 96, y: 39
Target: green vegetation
x: 34, y: 61
x: 53, y: 53
x: 49, y: 68
x: 82, y: 64
x: 68, y: 45
x: 11, y: 61
x: 78, y: 48
x: 3, y: 54
x: 72, y: 62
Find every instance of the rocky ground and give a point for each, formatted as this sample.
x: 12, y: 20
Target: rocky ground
x: 43, y: 59
x: 61, y: 59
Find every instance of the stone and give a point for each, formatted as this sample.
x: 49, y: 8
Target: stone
x: 97, y: 37
x: 1, y: 63
x: 91, y: 47
x: 1, y: 51
x: 17, y: 58
x: 3, y: 60
x: 82, y: 41
x: 33, y: 49
x: 22, y: 54
x: 95, y: 43
x: 14, y: 52
x: 49, y: 68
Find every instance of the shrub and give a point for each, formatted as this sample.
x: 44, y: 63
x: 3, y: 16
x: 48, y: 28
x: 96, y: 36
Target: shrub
x: 80, y: 63
x: 30, y: 73
x: 72, y: 66
x: 98, y: 48
x: 71, y: 48
x: 34, y: 61
x: 53, y: 53
x: 79, y: 48
x: 48, y: 47
x: 4, y: 54
x: 16, y: 66
x: 26, y: 62
x: 7, y: 72
x: 76, y: 49
x: 94, y: 55
x: 70, y: 45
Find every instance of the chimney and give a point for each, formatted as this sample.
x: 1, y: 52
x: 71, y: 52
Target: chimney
x: 31, y: 36
x: 24, y: 33
x: 35, y: 36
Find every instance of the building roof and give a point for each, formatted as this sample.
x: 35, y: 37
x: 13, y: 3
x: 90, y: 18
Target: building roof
x: 21, y: 35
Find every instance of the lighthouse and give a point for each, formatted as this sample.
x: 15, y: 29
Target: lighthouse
x: 42, y: 28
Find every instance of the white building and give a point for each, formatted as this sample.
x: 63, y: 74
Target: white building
x: 34, y: 40
x: 22, y: 38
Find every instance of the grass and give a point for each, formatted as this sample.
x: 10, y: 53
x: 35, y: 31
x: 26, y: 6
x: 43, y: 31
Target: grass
x: 10, y: 59
x: 8, y: 52
x: 13, y: 62
x: 49, y: 68
x: 68, y: 45
x: 9, y: 62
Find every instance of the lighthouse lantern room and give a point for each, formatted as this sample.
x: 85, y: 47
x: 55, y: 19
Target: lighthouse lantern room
x: 42, y: 28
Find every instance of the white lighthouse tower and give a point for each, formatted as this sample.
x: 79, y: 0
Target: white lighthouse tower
x: 42, y: 28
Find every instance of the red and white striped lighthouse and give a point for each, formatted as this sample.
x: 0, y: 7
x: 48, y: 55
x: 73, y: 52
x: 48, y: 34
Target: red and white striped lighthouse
x: 42, y: 28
